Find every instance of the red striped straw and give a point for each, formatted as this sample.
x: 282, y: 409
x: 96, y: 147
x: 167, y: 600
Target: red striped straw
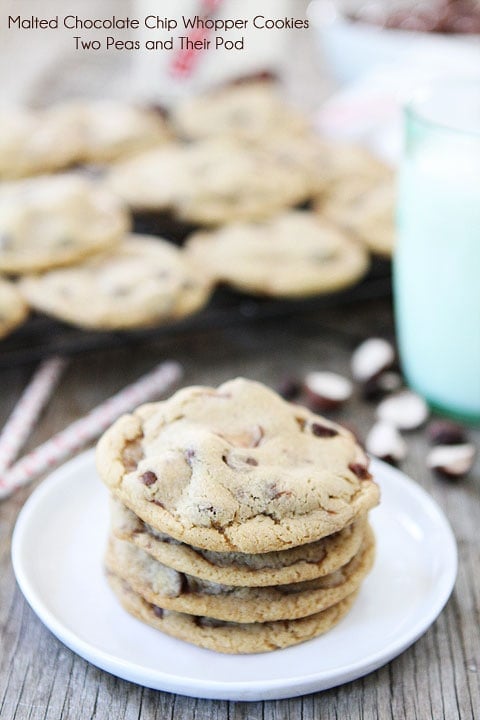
x: 185, y: 59
x: 78, y: 434
x: 21, y: 422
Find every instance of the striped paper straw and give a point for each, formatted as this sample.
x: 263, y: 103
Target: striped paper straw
x: 185, y: 59
x: 81, y: 432
x: 21, y: 422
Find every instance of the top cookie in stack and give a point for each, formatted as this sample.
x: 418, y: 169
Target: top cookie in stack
x: 239, y: 519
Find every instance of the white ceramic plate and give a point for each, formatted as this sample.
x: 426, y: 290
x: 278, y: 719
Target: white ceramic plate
x: 57, y: 556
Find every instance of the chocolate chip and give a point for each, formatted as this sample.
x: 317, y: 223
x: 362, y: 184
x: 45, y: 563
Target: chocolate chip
x: 148, y: 478
x: 157, y: 611
x: 189, y: 455
x: 323, y: 431
x: 446, y: 432
x: 251, y: 461
x: 360, y: 471
x: 445, y: 16
x: 183, y: 584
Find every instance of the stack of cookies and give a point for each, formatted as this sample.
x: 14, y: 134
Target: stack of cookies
x: 239, y: 521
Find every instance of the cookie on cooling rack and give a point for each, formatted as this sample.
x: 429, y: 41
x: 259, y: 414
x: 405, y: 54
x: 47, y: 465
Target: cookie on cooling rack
x: 111, y: 130
x: 294, y: 254
x: 143, y: 281
x: 359, y: 195
x: 56, y: 220
x: 36, y: 142
x: 366, y: 209
x: 248, y: 111
x: 348, y: 162
x: 212, y: 182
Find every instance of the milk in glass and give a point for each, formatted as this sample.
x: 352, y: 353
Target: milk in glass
x: 437, y: 259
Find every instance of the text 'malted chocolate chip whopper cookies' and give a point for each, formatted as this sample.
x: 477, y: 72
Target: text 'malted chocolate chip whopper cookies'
x: 239, y: 520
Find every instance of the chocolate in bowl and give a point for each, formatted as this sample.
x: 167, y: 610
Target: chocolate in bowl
x: 436, y: 16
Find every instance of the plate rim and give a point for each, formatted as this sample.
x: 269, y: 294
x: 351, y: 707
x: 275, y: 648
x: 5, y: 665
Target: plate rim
x: 244, y: 690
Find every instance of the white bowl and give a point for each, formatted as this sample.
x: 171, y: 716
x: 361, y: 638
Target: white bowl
x: 352, y: 49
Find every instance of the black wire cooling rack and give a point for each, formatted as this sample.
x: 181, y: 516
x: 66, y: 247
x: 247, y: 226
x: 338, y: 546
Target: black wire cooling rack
x: 41, y: 336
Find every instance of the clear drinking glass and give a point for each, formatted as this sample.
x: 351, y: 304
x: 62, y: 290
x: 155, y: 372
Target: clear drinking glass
x: 437, y: 258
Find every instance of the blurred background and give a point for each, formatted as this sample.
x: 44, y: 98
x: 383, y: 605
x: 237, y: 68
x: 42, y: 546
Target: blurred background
x: 355, y: 36
x: 368, y: 55
x: 53, y: 68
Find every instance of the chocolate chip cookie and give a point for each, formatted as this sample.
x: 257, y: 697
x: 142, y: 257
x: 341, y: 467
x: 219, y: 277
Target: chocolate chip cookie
x: 365, y: 209
x: 143, y: 281
x: 167, y: 588
x: 306, y: 562
x: 248, y: 111
x: 49, y: 221
x: 228, y: 637
x: 13, y: 308
x: 349, y: 162
x: 111, y: 130
x: 236, y: 468
x: 294, y: 254
x: 212, y: 182
x: 34, y: 142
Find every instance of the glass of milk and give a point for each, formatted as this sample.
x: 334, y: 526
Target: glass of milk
x: 437, y: 258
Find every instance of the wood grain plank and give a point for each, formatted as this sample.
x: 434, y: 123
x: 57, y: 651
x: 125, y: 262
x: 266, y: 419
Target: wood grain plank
x: 438, y: 677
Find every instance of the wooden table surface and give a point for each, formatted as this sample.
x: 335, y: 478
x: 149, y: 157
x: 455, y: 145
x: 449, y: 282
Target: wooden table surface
x: 438, y: 677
